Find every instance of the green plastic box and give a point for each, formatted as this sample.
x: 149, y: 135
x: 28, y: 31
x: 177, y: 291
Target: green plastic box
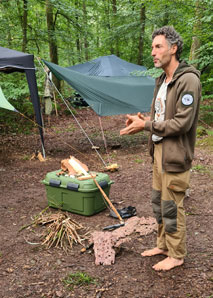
x: 71, y: 194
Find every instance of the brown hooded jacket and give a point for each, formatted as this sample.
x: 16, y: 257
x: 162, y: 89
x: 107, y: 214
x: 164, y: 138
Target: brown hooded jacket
x: 181, y: 115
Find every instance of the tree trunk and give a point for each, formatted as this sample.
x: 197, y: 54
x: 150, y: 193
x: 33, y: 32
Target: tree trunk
x: 22, y: 15
x: 114, y: 10
x: 77, y: 41
x: 108, y: 25
x: 24, y: 26
x: 196, y: 34
x: 86, y: 44
x: 97, y: 34
x: 141, y: 38
x: 166, y: 16
x: 53, y: 50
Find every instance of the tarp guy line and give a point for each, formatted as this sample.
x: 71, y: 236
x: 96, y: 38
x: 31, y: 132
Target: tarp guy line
x: 75, y: 119
x: 36, y: 124
x: 5, y: 104
x: 104, y: 139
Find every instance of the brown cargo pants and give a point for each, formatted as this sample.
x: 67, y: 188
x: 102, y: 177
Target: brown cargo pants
x: 167, y: 201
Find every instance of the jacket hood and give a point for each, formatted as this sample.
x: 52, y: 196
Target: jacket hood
x: 183, y: 68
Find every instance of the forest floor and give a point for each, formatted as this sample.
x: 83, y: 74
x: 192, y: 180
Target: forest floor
x: 28, y: 269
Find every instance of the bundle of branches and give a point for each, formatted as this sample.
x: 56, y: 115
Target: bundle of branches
x: 62, y: 231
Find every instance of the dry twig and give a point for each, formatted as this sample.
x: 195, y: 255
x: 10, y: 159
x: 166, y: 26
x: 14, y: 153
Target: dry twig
x: 61, y: 231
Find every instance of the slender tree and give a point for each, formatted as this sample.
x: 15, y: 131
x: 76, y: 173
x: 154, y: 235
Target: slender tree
x: 114, y: 10
x: 86, y: 44
x: 77, y: 41
x: 142, y: 32
x: 22, y: 15
x: 24, y: 26
x: 196, y: 33
x: 53, y: 49
x: 166, y: 16
x: 107, y: 23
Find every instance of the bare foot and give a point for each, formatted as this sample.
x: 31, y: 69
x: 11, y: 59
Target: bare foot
x: 153, y: 252
x: 168, y: 264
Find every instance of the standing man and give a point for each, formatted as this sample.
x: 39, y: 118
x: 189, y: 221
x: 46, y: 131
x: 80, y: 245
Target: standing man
x: 172, y: 127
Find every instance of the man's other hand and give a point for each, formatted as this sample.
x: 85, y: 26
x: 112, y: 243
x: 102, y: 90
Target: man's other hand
x: 142, y: 117
x: 134, y: 124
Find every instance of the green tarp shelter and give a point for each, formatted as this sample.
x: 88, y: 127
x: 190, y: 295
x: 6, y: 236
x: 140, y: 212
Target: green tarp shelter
x: 109, y: 95
x: 4, y: 103
x: 107, y: 66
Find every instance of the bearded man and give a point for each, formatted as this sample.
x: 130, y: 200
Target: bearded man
x: 172, y: 126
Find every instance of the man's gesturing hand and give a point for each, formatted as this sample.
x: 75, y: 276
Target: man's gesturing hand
x: 134, y: 124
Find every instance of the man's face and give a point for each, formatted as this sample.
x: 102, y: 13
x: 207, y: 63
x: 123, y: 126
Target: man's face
x: 162, y: 52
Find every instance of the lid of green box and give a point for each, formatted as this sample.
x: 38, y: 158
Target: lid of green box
x: 84, y: 185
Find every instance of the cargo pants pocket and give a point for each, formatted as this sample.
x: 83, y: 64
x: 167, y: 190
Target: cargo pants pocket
x: 178, y: 185
x: 169, y: 213
x: 156, y: 205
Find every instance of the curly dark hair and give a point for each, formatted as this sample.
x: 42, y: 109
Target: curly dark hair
x: 172, y: 37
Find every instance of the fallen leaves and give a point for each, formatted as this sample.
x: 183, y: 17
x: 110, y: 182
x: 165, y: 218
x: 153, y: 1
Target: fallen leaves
x: 112, y: 168
x: 37, y: 155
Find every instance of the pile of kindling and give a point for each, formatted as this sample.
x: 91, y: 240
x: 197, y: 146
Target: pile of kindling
x: 61, y: 230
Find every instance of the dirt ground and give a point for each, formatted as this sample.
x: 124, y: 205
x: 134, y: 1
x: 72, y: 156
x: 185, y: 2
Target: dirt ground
x: 28, y: 269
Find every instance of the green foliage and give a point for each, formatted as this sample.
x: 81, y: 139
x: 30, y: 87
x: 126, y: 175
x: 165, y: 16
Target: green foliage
x: 11, y: 122
x: 206, y: 55
x: 201, y: 131
x: 153, y: 72
x: 138, y: 160
x: 105, y: 31
x: 14, y: 86
x: 206, y: 111
x: 199, y: 168
x: 78, y: 279
x: 68, y: 113
x: 210, y: 132
x: 206, y: 141
x: 207, y: 83
x: 207, y: 117
x: 16, y: 90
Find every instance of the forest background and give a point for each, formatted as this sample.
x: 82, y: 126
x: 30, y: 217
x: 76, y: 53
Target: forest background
x: 68, y: 32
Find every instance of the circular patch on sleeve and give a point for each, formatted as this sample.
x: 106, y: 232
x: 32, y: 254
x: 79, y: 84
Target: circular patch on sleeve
x: 187, y: 99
